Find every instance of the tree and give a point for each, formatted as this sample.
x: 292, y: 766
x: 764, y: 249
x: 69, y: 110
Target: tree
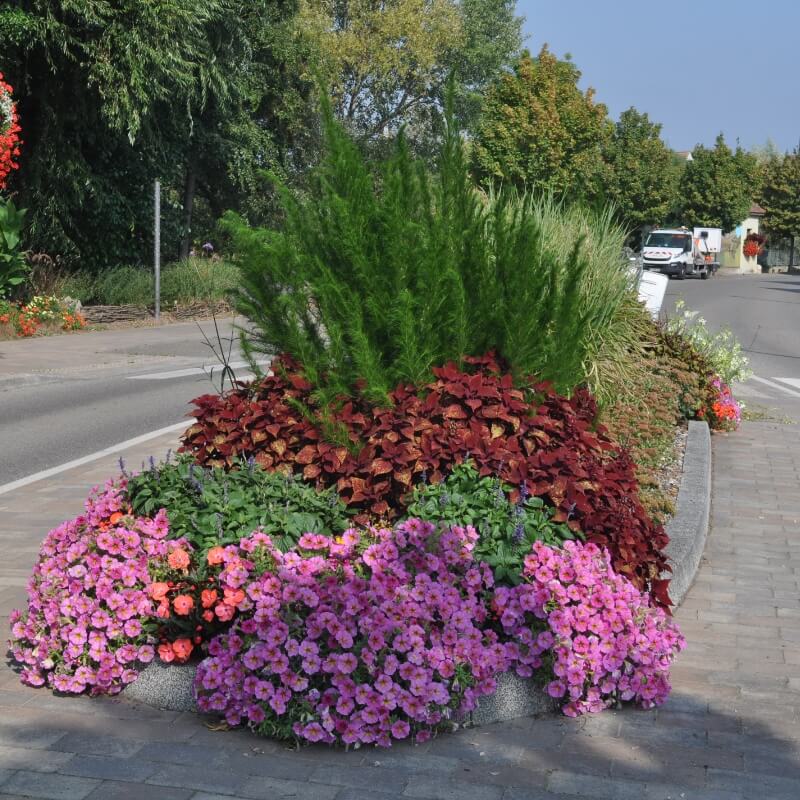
x: 492, y: 38
x: 114, y: 95
x: 539, y: 130
x: 387, y: 63
x: 780, y: 197
x: 644, y: 178
x: 717, y: 186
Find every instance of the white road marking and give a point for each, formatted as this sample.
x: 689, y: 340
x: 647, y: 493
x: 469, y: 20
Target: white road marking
x: 78, y: 462
x: 791, y: 381
x: 774, y: 385
x: 206, y: 369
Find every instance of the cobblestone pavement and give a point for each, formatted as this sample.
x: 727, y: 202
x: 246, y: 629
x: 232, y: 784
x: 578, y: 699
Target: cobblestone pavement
x: 730, y: 730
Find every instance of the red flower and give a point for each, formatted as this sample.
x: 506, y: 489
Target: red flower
x: 182, y: 649
x: 166, y: 653
x: 224, y: 612
x: 178, y: 559
x: 183, y: 604
x: 9, y: 135
x: 208, y: 597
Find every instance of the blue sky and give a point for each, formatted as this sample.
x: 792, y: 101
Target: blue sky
x: 697, y: 67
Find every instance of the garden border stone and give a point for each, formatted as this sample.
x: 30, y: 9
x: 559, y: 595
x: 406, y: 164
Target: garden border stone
x: 688, y: 529
x: 170, y: 687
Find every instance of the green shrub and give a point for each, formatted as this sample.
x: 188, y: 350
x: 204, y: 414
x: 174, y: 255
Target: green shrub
x: 213, y: 507
x: 13, y: 267
x: 507, y: 530
x: 124, y: 285
x: 183, y: 282
x: 722, y: 351
x: 382, y: 271
x: 80, y: 285
x: 198, y: 279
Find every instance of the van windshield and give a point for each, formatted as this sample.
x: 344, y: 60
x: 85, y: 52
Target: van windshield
x: 679, y: 240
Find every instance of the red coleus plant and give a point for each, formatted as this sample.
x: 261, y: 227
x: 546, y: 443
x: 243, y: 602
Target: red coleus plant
x: 527, y: 435
x: 9, y: 132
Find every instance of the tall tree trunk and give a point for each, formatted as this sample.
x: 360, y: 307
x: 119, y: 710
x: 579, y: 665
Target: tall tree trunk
x: 189, y: 187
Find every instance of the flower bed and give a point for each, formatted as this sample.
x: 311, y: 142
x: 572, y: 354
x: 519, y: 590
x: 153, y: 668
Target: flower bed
x: 38, y: 315
x: 527, y: 436
x: 374, y: 635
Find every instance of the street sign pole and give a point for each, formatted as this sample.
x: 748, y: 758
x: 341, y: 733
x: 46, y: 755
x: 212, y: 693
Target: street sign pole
x: 157, y: 248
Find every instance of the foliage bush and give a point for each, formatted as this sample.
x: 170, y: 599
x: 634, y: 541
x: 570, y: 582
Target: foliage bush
x: 506, y: 530
x: 182, y: 282
x: 123, y: 285
x: 526, y: 435
x: 210, y: 507
x: 377, y: 278
x: 13, y: 267
x: 722, y: 351
x: 656, y: 391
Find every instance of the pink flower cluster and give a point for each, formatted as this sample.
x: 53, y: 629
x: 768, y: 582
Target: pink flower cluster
x: 604, y: 639
x: 87, y: 604
x: 374, y: 636
x: 723, y: 412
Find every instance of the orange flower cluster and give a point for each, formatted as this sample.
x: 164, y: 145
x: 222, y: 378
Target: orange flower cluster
x: 26, y: 321
x: 192, y: 607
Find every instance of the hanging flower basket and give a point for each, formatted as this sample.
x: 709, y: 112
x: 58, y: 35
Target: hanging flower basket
x: 753, y: 245
x: 9, y: 132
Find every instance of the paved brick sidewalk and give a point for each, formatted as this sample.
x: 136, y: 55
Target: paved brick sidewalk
x: 731, y: 729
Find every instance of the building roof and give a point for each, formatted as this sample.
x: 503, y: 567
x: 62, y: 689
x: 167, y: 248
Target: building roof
x: 686, y: 155
x: 756, y: 210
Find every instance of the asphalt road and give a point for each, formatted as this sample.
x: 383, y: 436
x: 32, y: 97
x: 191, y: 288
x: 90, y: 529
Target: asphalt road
x: 763, y: 311
x: 65, y: 397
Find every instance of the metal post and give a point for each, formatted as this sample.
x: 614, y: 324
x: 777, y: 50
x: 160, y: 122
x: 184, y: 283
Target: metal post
x: 157, y: 248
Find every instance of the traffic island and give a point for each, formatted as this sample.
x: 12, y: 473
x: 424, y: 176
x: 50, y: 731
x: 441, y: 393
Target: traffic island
x: 170, y: 687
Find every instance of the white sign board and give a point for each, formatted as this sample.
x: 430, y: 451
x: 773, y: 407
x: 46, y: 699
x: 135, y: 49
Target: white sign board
x: 652, y: 288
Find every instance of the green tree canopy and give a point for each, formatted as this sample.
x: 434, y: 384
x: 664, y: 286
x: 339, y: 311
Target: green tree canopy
x: 538, y: 129
x: 780, y: 196
x: 717, y: 187
x: 112, y: 95
x: 387, y: 63
x: 644, y: 177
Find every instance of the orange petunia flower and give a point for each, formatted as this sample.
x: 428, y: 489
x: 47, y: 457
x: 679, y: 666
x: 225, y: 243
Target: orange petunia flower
x: 178, y: 559
x: 208, y: 616
x: 115, y: 517
x: 225, y: 612
x: 183, y: 604
x: 216, y: 555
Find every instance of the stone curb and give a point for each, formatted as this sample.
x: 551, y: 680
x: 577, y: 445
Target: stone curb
x: 170, y: 687
x: 688, y: 529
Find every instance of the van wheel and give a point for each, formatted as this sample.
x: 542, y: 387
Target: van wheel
x: 682, y: 274
x: 704, y: 276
